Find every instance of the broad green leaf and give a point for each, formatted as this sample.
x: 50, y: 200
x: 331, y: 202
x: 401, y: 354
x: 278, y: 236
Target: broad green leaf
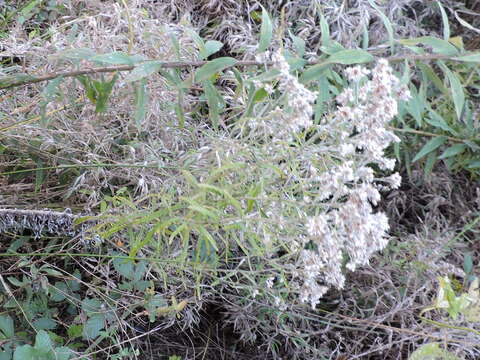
x: 429, y: 147
x: 211, y: 47
x: 25, y: 352
x: 74, y: 331
x: 7, y: 326
x: 432, y: 351
x: 473, y: 57
x: 456, y: 88
x: 124, y: 267
x: 114, y: 58
x: 63, y: 353
x: 43, y: 341
x: 266, y: 31
x: 143, y: 70
x: 453, y: 150
x: 212, y: 67
x: 44, y: 323
x: 141, y: 103
x: 314, y: 72
x: 91, y: 306
x: 351, y: 56
x: 93, y: 326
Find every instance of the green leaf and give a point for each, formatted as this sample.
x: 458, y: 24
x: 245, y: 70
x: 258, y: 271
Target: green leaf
x: 446, y: 25
x: 266, y: 31
x: 429, y: 164
x: 211, y: 47
x: 474, y: 164
x: 457, y: 89
x: 197, y: 40
x: 125, y: 267
x: 143, y: 70
x: 74, y: 331
x: 324, y: 31
x: 91, y: 306
x: 157, y: 301
x: 43, y: 341
x: 116, y: 58
x: 432, y: 351
x: 436, y: 120
x: 268, y: 75
x: 467, y: 263
x: 388, y: 25
x: 453, y: 150
x: 44, y: 324
x: 7, y: 326
x: 63, y: 353
x: 473, y: 57
x: 24, y: 352
x: 212, y: 67
x: 314, y: 72
x: 429, y: 147
x: 213, y: 103
x: 351, y: 56
x: 93, y: 326
x: 76, y: 55
x: 103, y: 89
x: 141, y: 103
x: 298, y: 45
x: 438, y: 46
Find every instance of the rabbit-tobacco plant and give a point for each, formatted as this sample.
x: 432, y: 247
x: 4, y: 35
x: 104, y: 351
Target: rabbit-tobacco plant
x: 314, y: 211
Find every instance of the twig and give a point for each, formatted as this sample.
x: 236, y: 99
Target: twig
x: 24, y: 79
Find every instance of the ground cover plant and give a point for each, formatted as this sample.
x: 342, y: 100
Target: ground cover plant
x: 230, y: 180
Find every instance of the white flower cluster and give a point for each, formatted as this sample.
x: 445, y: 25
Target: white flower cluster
x: 347, y: 227
x: 296, y: 114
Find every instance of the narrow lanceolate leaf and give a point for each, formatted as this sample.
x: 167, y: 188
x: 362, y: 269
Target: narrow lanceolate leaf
x: 266, y: 31
x: 458, y: 95
x: 212, y: 67
x: 351, y: 56
x: 114, y: 58
x: 429, y: 147
x: 141, y: 103
x: 387, y: 23
x: 143, y: 70
x: 474, y: 57
x: 453, y: 150
x: 446, y: 25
